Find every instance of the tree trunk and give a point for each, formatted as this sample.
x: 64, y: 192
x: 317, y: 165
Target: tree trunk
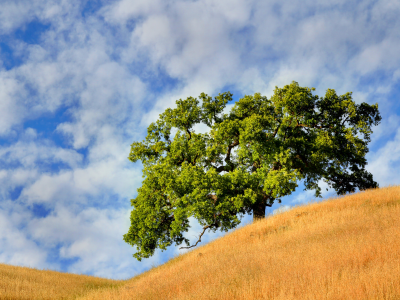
x: 259, y: 212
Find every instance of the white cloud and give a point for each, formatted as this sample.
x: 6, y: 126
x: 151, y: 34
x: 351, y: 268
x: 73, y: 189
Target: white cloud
x: 14, y: 14
x: 385, y: 129
x: 213, y: 54
x: 123, y: 10
x: 10, y: 108
x: 75, y: 185
x: 32, y: 151
x: 16, y: 248
x: 384, y: 163
x: 281, y: 209
x: 93, y: 236
x: 378, y: 56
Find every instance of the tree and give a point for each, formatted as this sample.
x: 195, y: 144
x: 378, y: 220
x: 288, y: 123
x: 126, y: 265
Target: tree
x: 250, y: 158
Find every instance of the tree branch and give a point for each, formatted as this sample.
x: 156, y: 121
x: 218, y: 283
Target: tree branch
x: 195, y: 158
x: 205, y: 228
x: 266, y: 197
x: 167, y: 219
x: 275, y: 132
x: 227, y: 159
x: 302, y: 159
x: 214, y: 197
x: 228, y: 154
x: 219, y: 169
x: 315, y: 126
x: 345, y: 120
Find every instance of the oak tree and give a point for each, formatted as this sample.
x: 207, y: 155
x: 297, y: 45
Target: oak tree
x: 251, y: 157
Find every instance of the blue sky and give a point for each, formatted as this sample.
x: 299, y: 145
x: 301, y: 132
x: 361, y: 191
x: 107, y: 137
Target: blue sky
x: 81, y: 80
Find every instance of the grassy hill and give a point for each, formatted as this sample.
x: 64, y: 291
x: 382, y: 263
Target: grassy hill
x: 341, y: 248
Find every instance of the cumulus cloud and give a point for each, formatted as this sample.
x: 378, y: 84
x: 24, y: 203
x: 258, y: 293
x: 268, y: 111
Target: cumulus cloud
x: 9, y: 106
x: 214, y: 47
x: 15, y: 243
x: 385, y: 162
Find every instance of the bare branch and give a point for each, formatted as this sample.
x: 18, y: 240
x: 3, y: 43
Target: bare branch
x: 213, y: 197
x: 205, y: 228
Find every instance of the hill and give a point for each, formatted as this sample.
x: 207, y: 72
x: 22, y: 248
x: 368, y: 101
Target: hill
x: 341, y: 248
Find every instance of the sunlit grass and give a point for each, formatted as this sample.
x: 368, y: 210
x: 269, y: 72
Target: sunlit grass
x: 340, y: 248
x: 28, y: 283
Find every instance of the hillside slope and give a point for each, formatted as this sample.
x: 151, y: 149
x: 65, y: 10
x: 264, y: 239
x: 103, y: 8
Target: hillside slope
x: 29, y: 283
x: 341, y: 248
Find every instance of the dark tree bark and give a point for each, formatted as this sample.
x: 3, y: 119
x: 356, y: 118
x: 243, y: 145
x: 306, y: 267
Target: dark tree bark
x: 259, y: 211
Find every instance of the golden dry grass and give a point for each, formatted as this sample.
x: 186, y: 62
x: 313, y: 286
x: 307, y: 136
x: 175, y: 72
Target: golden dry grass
x: 340, y: 248
x: 28, y: 283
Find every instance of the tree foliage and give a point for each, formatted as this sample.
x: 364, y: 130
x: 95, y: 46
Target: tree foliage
x: 250, y: 158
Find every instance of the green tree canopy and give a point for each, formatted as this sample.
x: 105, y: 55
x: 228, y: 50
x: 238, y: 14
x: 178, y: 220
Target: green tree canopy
x: 250, y: 158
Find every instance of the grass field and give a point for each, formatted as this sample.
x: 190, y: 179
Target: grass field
x: 341, y: 248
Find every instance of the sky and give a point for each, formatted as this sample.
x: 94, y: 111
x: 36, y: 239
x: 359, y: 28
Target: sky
x: 81, y: 80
